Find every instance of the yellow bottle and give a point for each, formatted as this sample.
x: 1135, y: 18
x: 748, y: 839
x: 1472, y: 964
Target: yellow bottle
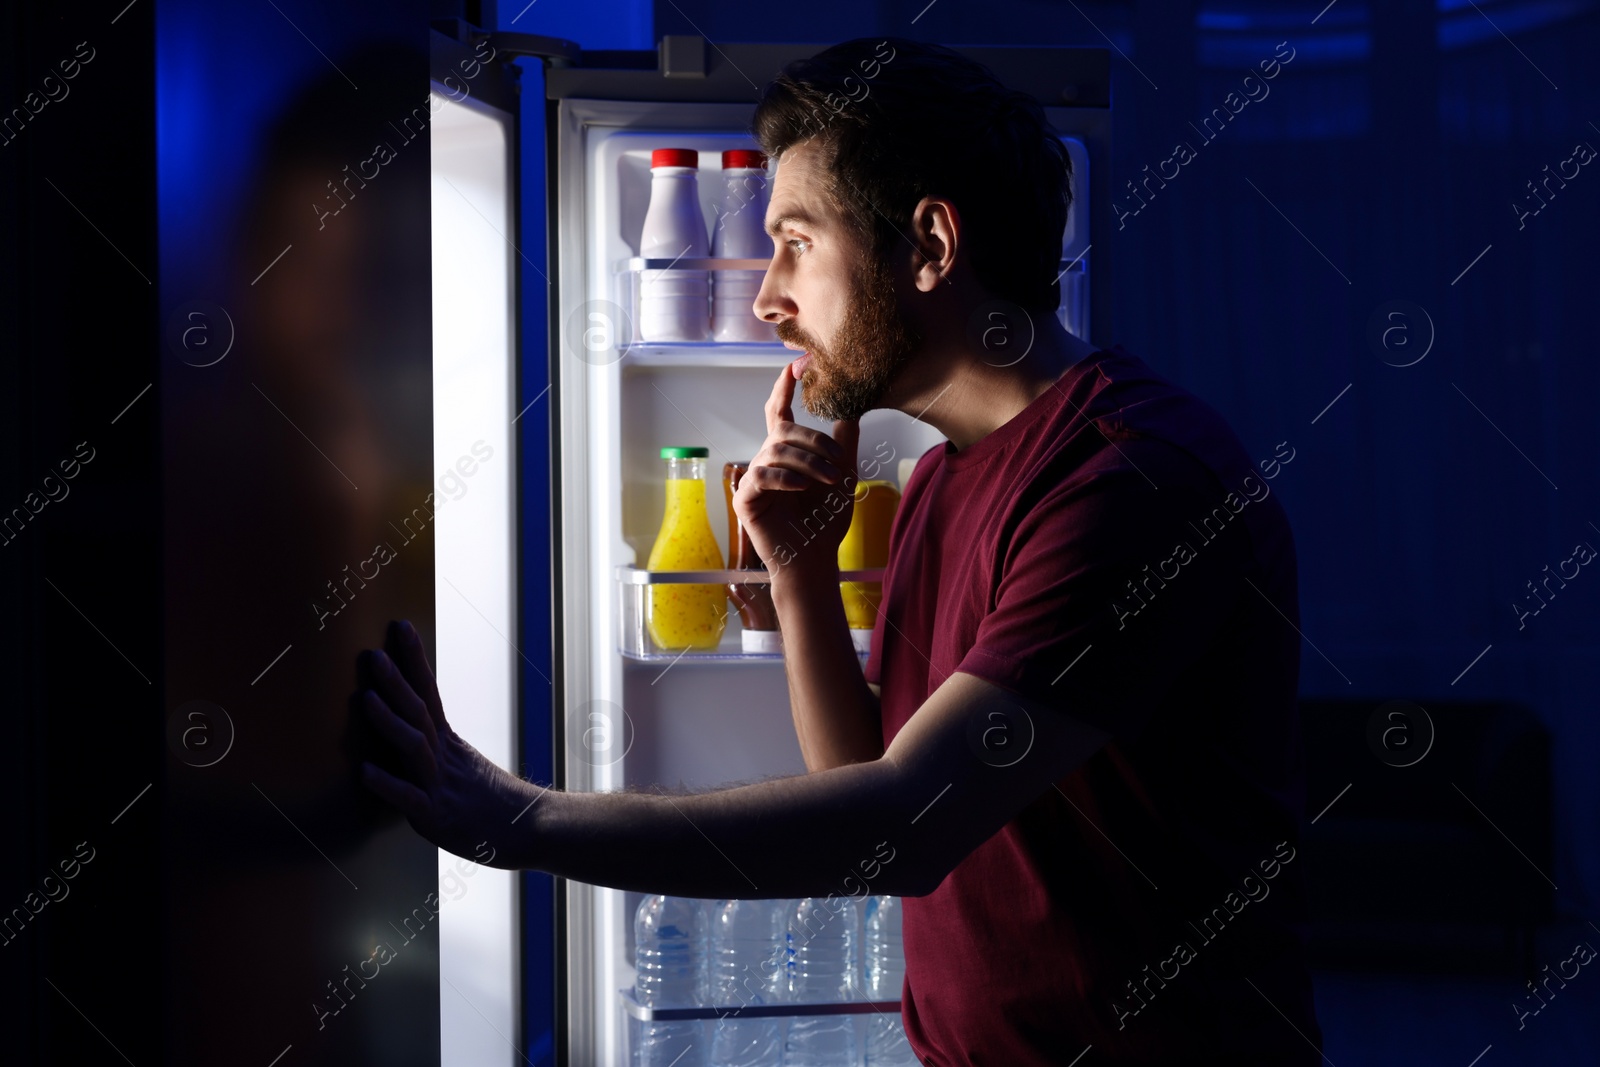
x: 686, y: 616
x: 866, y: 544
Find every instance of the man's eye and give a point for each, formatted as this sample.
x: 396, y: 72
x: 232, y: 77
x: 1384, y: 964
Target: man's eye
x: 803, y: 244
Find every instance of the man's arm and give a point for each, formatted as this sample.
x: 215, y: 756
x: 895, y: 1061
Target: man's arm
x: 972, y: 757
x: 836, y: 713
x: 803, y: 477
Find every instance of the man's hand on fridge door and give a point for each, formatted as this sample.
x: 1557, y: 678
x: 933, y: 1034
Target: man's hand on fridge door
x: 799, y: 476
x: 449, y: 791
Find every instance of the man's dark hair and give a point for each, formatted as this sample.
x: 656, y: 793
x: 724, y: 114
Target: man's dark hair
x: 901, y: 120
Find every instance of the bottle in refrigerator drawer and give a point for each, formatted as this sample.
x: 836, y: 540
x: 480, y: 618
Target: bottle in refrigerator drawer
x: 822, y: 969
x: 884, y: 971
x: 674, y: 305
x: 669, y: 936
x: 753, y: 599
x: 866, y: 544
x: 740, y: 233
x: 686, y: 616
x: 748, y: 967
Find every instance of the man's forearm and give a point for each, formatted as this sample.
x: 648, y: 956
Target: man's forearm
x: 836, y: 717
x: 846, y: 831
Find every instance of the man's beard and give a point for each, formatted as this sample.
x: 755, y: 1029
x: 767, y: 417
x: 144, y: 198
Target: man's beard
x: 872, y: 344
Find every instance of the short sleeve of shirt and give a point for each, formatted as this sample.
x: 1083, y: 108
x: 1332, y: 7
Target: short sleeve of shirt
x: 1110, y: 588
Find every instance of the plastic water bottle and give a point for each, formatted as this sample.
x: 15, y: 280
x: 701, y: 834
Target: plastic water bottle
x: 749, y: 967
x: 674, y: 305
x: 740, y: 233
x: 822, y: 970
x: 885, y: 974
x: 669, y: 935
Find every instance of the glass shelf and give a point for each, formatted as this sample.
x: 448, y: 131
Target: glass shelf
x: 627, y: 575
x: 754, y: 1011
x: 638, y: 263
x: 635, y: 351
x: 707, y: 354
x: 632, y: 352
x: 634, y: 642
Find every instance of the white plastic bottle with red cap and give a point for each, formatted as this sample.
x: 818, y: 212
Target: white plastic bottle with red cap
x: 674, y: 305
x: 740, y: 233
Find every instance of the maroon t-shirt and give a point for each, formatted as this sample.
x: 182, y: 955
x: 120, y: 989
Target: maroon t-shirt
x: 1113, y: 552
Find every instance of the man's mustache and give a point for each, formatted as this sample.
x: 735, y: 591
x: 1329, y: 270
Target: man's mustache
x: 791, y: 334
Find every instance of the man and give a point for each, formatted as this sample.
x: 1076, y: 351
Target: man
x: 1074, y: 748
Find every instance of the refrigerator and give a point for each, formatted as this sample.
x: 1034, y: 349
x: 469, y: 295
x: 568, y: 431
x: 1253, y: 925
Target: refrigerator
x: 625, y: 713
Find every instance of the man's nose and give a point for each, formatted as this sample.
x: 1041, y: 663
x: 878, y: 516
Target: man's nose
x: 772, y: 302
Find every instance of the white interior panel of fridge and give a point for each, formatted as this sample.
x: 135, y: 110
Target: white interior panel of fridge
x: 692, y: 721
x: 474, y: 560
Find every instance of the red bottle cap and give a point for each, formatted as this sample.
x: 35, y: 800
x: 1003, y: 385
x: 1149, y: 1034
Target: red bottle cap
x: 743, y: 157
x: 674, y: 157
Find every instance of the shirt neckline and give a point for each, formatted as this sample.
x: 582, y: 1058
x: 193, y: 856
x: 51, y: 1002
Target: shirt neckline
x: 999, y: 438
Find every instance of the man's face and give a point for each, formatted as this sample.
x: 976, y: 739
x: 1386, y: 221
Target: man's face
x: 828, y: 296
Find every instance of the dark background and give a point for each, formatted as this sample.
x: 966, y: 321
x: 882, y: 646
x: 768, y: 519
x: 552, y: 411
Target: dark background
x: 1382, y: 167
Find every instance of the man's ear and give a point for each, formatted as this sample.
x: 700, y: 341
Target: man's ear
x: 936, y: 235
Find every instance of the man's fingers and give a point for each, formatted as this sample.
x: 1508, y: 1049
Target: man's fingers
x: 404, y: 737
x: 812, y: 440
x: 778, y: 406
x: 405, y: 646
x: 399, y: 694
x: 801, y: 460
x: 781, y: 425
x: 782, y: 478
x: 412, y: 801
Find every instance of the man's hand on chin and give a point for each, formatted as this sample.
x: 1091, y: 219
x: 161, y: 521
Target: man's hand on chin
x: 449, y: 791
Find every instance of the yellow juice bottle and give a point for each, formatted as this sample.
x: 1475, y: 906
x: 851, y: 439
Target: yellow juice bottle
x: 686, y: 616
x: 865, y: 545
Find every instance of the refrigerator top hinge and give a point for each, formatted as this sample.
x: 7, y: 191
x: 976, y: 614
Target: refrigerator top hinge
x: 683, y: 56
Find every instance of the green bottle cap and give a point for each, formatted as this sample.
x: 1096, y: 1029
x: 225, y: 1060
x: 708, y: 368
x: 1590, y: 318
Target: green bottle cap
x: 679, y: 452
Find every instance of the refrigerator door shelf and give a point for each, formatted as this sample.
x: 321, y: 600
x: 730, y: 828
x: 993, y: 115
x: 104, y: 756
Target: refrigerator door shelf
x: 632, y: 1007
x: 634, y: 641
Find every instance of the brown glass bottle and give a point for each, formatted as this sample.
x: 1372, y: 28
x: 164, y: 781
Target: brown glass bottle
x: 753, y: 600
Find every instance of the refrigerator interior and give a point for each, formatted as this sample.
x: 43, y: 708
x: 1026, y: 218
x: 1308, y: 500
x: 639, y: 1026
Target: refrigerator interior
x: 699, y: 720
